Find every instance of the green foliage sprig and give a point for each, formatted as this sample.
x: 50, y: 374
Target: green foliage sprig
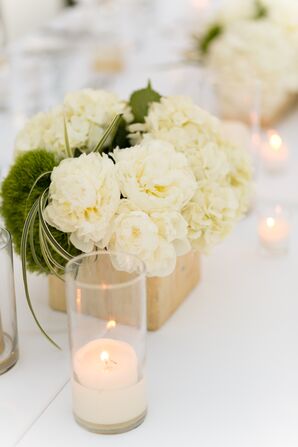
x: 213, y: 32
x: 140, y: 101
x: 261, y: 10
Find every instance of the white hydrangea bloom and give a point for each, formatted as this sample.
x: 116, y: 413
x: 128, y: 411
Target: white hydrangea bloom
x: 84, y: 196
x: 254, y: 57
x: 87, y: 114
x: 283, y: 12
x: 153, y: 176
x: 256, y: 50
x: 233, y: 10
x: 222, y: 169
x: 43, y: 131
x: 211, y: 216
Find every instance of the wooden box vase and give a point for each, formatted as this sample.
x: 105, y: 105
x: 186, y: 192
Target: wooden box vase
x: 164, y: 295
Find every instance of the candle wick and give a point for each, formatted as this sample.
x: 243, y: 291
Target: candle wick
x: 108, y: 362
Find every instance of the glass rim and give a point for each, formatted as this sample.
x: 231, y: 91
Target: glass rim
x: 8, y: 238
x: 127, y: 283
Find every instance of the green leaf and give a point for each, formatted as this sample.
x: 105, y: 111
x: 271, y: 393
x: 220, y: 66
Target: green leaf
x: 24, y: 241
x: 211, y: 34
x: 109, y: 134
x: 77, y: 153
x: 140, y: 101
x: 261, y: 10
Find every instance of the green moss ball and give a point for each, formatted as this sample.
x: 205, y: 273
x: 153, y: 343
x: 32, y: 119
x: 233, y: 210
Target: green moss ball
x: 16, y: 202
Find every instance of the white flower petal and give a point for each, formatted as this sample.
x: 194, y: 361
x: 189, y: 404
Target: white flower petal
x: 84, y: 196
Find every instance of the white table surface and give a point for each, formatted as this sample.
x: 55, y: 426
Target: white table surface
x: 222, y: 372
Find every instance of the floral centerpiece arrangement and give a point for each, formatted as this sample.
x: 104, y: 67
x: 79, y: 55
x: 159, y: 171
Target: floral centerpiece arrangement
x: 250, y: 47
x: 155, y: 176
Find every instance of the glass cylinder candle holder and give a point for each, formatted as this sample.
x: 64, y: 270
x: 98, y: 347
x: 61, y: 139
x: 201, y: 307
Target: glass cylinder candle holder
x: 230, y: 100
x: 275, y: 153
x: 106, y: 302
x: 274, y: 229
x: 8, y: 322
x: 237, y: 106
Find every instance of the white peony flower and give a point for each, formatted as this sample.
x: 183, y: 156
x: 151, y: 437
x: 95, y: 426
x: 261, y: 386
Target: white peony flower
x: 87, y: 114
x: 154, y: 177
x: 137, y: 233
x: 163, y: 261
x: 84, y: 196
x: 172, y: 227
x: 222, y: 168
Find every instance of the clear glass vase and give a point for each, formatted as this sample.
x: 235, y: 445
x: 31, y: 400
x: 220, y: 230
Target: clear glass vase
x: 230, y: 100
x: 8, y: 322
x: 106, y: 302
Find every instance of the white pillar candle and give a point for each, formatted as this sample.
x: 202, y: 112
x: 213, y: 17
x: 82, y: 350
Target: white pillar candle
x: 106, y: 387
x: 274, y: 233
x: 275, y: 153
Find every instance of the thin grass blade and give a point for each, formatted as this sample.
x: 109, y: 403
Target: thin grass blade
x: 24, y: 242
x: 109, y: 133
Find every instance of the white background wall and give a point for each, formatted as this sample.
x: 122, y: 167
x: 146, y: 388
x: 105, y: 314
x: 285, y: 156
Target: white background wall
x: 22, y: 16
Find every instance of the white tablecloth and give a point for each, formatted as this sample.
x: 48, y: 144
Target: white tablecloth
x: 223, y: 370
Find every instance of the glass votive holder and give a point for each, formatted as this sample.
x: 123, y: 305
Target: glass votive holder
x: 8, y: 322
x: 106, y: 302
x: 274, y: 229
x: 237, y: 106
x: 230, y: 100
x: 274, y: 153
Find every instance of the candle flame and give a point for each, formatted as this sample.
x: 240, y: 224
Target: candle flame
x: 111, y: 324
x: 270, y: 221
x: 275, y: 141
x: 200, y: 4
x: 105, y: 357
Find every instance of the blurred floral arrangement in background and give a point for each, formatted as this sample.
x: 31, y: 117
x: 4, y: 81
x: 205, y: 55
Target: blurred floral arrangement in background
x: 245, y: 41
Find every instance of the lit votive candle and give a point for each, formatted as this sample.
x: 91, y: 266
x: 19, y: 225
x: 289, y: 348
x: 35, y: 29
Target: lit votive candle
x: 274, y: 232
x: 200, y: 5
x: 107, y: 391
x: 275, y: 153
